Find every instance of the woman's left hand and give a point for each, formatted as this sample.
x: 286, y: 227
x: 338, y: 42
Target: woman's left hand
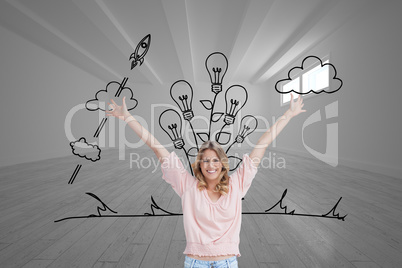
x: 295, y: 106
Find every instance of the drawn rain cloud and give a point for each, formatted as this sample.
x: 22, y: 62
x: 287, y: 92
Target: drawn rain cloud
x: 335, y: 83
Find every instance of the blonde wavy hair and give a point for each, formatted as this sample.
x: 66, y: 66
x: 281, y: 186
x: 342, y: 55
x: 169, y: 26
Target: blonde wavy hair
x: 223, y: 186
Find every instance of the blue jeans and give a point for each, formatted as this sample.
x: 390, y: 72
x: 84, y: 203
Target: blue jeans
x: 227, y: 263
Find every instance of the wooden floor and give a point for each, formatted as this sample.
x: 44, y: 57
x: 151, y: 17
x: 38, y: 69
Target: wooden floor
x: 34, y: 195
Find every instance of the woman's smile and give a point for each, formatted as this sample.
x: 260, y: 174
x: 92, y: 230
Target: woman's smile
x: 211, y: 165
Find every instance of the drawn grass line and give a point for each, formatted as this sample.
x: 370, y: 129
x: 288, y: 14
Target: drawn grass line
x: 167, y: 213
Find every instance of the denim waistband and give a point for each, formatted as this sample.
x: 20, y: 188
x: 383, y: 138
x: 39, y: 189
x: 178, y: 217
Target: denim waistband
x: 230, y: 262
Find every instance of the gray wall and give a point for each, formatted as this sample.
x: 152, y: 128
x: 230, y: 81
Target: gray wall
x: 366, y: 53
x: 39, y: 89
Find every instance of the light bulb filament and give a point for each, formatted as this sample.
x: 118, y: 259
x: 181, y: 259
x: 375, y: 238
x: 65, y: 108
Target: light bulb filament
x: 173, y: 128
x: 217, y: 72
x: 233, y: 105
x: 245, y: 129
x: 184, y: 99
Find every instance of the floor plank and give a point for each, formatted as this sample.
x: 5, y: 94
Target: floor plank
x: 34, y: 195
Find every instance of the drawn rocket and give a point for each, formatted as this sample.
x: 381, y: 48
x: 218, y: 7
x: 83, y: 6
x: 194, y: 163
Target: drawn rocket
x: 140, y: 51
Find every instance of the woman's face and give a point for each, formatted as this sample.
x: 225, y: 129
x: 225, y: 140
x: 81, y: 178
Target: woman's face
x: 211, y: 165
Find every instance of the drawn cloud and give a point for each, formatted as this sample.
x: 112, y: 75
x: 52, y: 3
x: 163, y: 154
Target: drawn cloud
x: 115, y: 90
x: 85, y: 150
x: 335, y: 84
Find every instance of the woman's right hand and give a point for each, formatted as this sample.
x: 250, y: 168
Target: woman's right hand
x: 120, y: 112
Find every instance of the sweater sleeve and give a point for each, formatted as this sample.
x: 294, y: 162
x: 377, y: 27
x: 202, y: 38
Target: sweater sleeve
x: 244, y: 174
x: 174, y: 173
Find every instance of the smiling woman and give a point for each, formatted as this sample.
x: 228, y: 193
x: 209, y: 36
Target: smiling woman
x: 212, y: 212
x: 211, y: 168
x: 212, y: 200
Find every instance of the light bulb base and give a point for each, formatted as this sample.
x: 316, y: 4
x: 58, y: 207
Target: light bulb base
x: 188, y: 115
x: 229, y: 119
x: 239, y: 139
x: 216, y: 88
x: 178, y: 144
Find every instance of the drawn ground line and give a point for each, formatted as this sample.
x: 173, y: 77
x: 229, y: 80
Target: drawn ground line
x: 156, y: 206
x: 169, y: 215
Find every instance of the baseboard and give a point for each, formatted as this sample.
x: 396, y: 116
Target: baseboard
x: 30, y: 158
x: 375, y: 168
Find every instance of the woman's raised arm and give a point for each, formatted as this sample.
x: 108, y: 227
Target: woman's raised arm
x: 122, y: 113
x: 270, y: 135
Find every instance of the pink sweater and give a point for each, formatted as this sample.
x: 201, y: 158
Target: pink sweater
x: 212, y: 229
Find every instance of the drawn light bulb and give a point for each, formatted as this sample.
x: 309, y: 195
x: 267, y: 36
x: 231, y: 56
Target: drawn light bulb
x: 247, y: 126
x: 217, y: 65
x: 170, y: 122
x: 182, y: 93
x: 235, y: 98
